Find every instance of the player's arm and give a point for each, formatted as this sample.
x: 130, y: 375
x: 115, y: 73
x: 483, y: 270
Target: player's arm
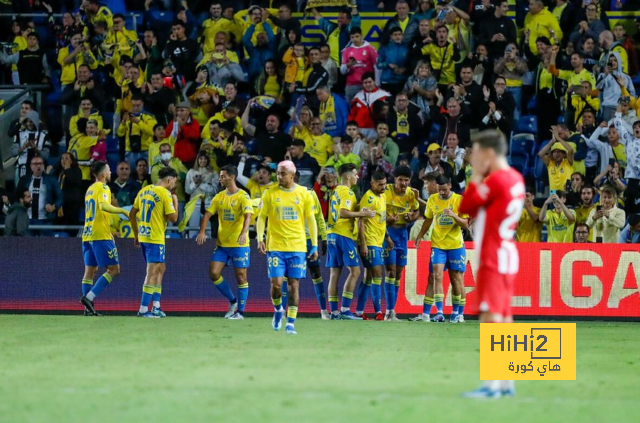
x: 313, y: 233
x: 544, y: 152
x: 202, y: 235
x: 248, y: 212
x: 134, y: 223
x: 423, y: 231
x: 474, y: 198
x: 364, y: 251
x: 173, y: 217
x: 462, y: 222
x: 108, y: 208
x: 261, y: 224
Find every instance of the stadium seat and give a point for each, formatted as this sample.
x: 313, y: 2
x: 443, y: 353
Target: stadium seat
x: 540, y: 172
x: 113, y: 159
x: 116, y: 6
x: 113, y: 144
x: 522, y: 144
x: 520, y: 163
x: 60, y: 234
x: 527, y: 125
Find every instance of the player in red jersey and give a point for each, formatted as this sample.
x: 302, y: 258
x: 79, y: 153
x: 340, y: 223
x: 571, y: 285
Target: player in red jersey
x: 495, y: 197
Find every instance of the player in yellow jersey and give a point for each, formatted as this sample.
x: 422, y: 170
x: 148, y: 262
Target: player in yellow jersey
x: 234, y: 209
x: 287, y: 207
x: 372, y: 233
x: 152, y: 208
x: 402, y: 209
x: 341, y: 240
x: 447, y: 245
x: 98, y: 247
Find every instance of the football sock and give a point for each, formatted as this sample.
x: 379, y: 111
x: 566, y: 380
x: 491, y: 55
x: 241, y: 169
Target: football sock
x: 347, y: 297
x: 507, y: 385
x: 461, y: 305
x: 333, y: 304
x: 389, y: 291
x: 277, y: 304
x: 243, y: 294
x: 493, y: 385
x: 376, y: 293
x: 428, y: 304
x: 157, y: 292
x: 363, y: 296
x: 101, y: 284
x: 455, y: 301
x: 147, y: 294
x: 292, y: 313
x: 224, y: 289
x: 318, y: 287
x: 397, y: 284
x: 439, y: 298
x: 87, y: 284
x: 285, y: 292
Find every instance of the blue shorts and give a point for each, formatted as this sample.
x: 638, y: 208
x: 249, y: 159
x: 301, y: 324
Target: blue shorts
x: 153, y: 253
x: 312, y: 263
x: 236, y: 256
x: 293, y: 265
x: 342, y: 252
x: 100, y: 253
x: 374, y: 258
x: 400, y: 238
x: 455, y: 260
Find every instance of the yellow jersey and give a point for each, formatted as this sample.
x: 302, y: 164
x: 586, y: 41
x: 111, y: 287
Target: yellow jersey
x: 528, y: 230
x: 401, y: 204
x: 582, y: 215
x: 320, y: 223
x: 206, y: 131
x: 558, y: 226
x: 446, y: 233
x: 320, y: 147
x: 286, y: 211
x: 154, y: 204
x: 97, y: 222
x: 120, y: 224
x: 559, y: 174
x: 257, y: 191
x: 342, y: 198
x: 374, y: 227
x: 231, y: 209
x: 80, y: 146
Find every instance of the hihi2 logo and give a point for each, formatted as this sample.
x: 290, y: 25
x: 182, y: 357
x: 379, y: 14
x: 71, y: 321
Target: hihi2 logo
x: 528, y: 351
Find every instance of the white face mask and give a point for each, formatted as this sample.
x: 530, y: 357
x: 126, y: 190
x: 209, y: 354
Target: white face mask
x: 166, y: 156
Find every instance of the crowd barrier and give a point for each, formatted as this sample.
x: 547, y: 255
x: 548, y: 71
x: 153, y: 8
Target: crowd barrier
x: 556, y: 280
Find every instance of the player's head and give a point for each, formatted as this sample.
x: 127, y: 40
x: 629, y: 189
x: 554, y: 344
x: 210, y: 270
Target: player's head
x: 168, y: 177
x: 402, y: 174
x: 430, y: 182
x: 378, y: 182
x: 228, y: 175
x: 444, y: 186
x: 488, y: 147
x: 348, y: 174
x: 101, y: 170
x: 285, y: 172
x: 581, y: 233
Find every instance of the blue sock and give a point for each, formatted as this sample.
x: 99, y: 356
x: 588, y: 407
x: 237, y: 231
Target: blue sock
x: 224, y: 289
x: 428, y: 304
x: 285, y: 293
x: 439, y: 298
x: 147, y: 294
x: 389, y: 289
x: 376, y: 293
x: 397, y: 285
x: 463, y: 301
x: 363, y: 295
x: 318, y: 287
x: 156, y: 296
x: 87, y: 284
x: 101, y: 284
x: 347, y: 297
x: 333, y: 304
x: 243, y: 294
x: 455, y: 301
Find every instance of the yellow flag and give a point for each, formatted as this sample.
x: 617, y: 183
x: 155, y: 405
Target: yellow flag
x: 188, y: 211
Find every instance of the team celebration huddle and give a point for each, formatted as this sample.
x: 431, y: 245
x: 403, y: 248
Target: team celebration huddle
x: 373, y: 231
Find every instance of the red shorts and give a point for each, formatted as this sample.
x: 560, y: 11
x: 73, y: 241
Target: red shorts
x: 493, y: 292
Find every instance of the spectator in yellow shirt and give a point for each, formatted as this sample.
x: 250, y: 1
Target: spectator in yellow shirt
x: 210, y: 27
x: 560, y: 221
x: 539, y: 22
x: 529, y: 227
x: 557, y: 156
x: 72, y: 56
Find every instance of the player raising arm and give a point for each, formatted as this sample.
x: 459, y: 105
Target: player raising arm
x: 495, y: 196
x: 287, y: 207
x: 234, y: 209
x: 98, y: 247
x: 153, y: 207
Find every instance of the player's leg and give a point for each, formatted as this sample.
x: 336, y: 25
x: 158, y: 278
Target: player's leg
x: 456, y: 262
x: 157, y: 292
x: 438, y: 275
x: 87, y: 280
x: 243, y: 292
x: 295, y: 270
x: 106, y: 255
x: 363, y: 291
x: 428, y: 301
x: 389, y: 285
x: 376, y: 289
x: 218, y: 261
x: 276, y: 267
x: 151, y: 282
x: 334, y: 263
x: 352, y: 262
x: 318, y: 287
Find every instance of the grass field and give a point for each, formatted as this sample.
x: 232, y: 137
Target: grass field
x: 180, y: 369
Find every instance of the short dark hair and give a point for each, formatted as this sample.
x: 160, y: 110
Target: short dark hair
x: 561, y: 194
x: 157, y: 125
x: 443, y: 180
x: 30, y: 103
x: 178, y: 22
x: 231, y: 170
x: 402, y: 171
x: 81, y: 124
x: 297, y: 142
x: 118, y: 15
x: 347, y: 139
x: 34, y: 34
x: 634, y: 219
x: 137, y: 97
x: 593, y: 190
x: 346, y: 168
x: 432, y: 176
x: 378, y: 176
x: 368, y: 75
x: 582, y: 224
x: 167, y: 172
x: 355, y: 30
x: 97, y: 168
x: 394, y: 30
x: 492, y: 139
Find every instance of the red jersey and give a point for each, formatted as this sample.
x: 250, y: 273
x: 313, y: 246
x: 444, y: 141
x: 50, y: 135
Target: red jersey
x: 497, y: 204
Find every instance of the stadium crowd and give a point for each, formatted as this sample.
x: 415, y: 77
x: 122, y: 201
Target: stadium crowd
x: 232, y: 83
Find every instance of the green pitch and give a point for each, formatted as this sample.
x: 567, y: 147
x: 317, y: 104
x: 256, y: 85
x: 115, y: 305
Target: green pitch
x: 127, y: 369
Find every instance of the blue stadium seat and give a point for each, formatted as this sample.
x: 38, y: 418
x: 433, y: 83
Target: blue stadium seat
x: 116, y: 6
x: 522, y: 144
x: 113, y: 159
x: 113, y: 144
x: 520, y: 163
x: 527, y: 125
x: 540, y: 172
x: 174, y: 235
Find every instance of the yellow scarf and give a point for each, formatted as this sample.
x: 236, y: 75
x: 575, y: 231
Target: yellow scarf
x: 328, y: 114
x: 188, y: 211
x: 402, y: 125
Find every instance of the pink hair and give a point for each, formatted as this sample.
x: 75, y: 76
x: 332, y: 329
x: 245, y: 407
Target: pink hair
x: 288, y: 165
